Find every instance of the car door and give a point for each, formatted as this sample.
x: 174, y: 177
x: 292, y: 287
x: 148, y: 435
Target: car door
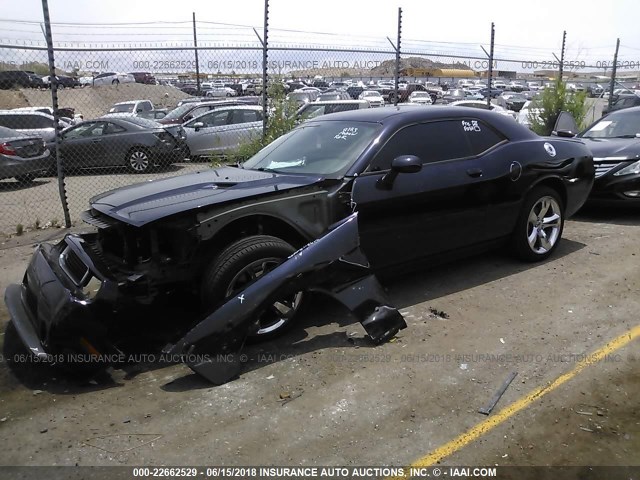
x: 207, y: 133
x: 245, y: 126
x: 438, y: 209
x: 116, y: 143
x: 83, y: 145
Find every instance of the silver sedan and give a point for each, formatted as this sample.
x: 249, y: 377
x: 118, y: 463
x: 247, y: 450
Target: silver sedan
x: 222, y: 130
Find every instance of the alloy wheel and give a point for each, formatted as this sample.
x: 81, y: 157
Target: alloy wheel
x: 279, y: 312
x: 139, y: 161
x: 544, y: 225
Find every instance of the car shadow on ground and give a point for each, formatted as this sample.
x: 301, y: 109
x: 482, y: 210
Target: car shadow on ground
x: 320, y: 311
x: 15, y: 186
x: 403, y: 292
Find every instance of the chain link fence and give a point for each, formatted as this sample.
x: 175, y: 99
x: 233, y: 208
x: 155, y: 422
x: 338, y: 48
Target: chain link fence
x: 142, y: 112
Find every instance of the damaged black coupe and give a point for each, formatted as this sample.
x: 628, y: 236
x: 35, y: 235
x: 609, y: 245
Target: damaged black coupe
x: 323, y: 208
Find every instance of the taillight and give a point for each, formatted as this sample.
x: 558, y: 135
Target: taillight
x: 7, y: 149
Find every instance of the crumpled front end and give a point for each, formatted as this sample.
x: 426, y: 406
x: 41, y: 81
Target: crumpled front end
x: 334, y: 265
x: 62, y: 296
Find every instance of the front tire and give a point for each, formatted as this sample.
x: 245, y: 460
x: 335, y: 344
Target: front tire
x: 238, y: 266
x: 539, y: 228
x: 115, y: 82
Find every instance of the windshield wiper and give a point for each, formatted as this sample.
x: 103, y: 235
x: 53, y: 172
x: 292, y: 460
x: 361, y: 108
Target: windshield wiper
x: 629, y: 135
x: 264, y: 169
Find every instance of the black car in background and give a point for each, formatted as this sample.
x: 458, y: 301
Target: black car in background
x: 136, y: 143
x: 621, y: 101
x: 24, y: 157
x: 15, y: 78
x: 425, y: 183
x: 615, y: 143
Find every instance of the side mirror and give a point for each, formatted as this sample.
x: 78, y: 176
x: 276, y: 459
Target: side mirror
x: 198, y: 125
x: 564, y: 133
x: 401, y: 164
x: 138, y: 110
x: 187, y: 117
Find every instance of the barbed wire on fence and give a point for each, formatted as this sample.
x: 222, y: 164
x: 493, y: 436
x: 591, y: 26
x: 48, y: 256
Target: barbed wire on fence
x: 114, y: 86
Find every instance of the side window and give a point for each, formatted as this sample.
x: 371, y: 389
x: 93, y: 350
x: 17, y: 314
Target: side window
x: 432, y: 142
x: 9, y: 121
x: 245, y: 116
x: 79, y: 131
x: 481, y: 136
x: 34, y: 121
x: 198, y: 111
x: 113, y: 128
x: 146, y: 106
x: 214, y: 119
x: 98, y: 129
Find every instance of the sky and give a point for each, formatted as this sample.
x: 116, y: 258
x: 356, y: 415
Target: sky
x: 523, y: 30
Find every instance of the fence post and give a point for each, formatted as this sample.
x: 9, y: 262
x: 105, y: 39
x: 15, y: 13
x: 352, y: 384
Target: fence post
x: 490, y: 72
x: 265, y: 54
x: 561, y: 69
x: 56, y: 118
x: 397, y: 72
x: 195, y: 49
x: 614, y: 71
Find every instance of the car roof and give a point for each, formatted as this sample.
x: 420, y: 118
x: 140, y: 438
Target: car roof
x: 25, y: 112
x: 404, y: 115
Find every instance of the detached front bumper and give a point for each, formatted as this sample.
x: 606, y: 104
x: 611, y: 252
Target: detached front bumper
x: 58, y: 302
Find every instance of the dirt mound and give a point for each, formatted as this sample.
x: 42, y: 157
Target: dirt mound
x: 93, y: 102
x: 14, y: 99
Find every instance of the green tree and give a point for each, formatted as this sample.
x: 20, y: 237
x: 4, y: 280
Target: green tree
x: 544, y: 111
x: 280, y: 120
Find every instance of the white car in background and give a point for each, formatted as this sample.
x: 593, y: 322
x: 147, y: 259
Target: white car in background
x: 482, y: 104
x: 526, y: 112
x: 373, y: 97
x: 129, y: 109
x: 221, y: 91
x: 113, y: 78
x: 421, y: 98
x: 84, y: 81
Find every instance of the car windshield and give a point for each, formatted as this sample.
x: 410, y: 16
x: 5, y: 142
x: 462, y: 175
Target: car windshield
x: 178, y: 112
x: 122, y: 108
x: 142, y: 122
x: 616, y: 125
x: 325, y: 148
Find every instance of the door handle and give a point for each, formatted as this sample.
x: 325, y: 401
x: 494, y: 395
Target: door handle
x: 97, y: 140
x: 474, y: 172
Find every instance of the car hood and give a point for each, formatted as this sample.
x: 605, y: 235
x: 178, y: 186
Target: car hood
x: 613, y: 147
x: 143, y: 203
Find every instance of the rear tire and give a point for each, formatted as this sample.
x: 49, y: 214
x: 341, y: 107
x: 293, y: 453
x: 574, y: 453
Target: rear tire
x: 539, y: 228
x: 138, y: 161
x: 240, y: 264
x: 115, y: 82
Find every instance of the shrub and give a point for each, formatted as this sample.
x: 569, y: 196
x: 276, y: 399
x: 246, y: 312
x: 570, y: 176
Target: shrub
x: 556, y: 99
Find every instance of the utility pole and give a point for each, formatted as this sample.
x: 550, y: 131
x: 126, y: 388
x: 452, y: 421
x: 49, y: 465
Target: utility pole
x: 561, y: 69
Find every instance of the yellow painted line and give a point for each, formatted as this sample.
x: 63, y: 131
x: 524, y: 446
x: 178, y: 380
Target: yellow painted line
x: 491, y: 422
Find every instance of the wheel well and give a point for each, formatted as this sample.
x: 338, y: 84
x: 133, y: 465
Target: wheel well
x: 246, y: 227
x: 137, y: 147
x: 557, y: 185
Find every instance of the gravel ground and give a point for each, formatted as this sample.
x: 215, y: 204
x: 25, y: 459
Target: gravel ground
x: 322, y: 395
